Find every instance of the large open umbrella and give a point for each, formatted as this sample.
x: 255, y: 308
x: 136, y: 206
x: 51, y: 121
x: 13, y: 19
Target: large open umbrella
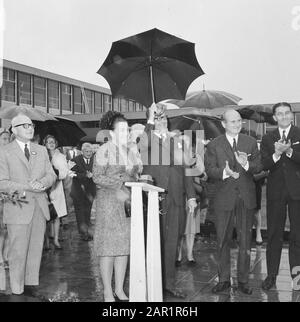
x: 66, y: 131
x: 150, y: 67
x: 257, y: 113
x: 207, y: 99
x: 195, y: 119
x: 211, y: 126
x: 36, y: 114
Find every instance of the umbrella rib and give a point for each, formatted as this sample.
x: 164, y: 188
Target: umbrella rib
x: 190, y: 118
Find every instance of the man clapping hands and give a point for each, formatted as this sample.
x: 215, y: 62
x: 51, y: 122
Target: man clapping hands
x: 235, y: 197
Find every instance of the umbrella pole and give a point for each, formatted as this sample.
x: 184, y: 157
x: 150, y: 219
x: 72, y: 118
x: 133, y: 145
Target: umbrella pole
x: 152, y: 83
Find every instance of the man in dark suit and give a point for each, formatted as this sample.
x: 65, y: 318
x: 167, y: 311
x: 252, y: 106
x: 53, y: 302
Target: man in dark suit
x: 280, y: 151
x: 83, y: 190
x: 158, y: 161
x: 230, y: 161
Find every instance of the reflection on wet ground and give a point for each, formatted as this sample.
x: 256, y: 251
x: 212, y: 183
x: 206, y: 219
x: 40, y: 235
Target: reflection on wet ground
x: 72, y: 274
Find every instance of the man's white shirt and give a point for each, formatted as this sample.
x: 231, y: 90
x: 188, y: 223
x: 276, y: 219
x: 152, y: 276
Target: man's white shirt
x: 230, y: 140
x: 287, y: 131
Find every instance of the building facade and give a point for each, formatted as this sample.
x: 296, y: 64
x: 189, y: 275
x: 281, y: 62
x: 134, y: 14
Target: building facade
x: 60, y: 95
x: 80, y: 101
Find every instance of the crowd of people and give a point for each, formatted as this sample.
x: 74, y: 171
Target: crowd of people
x: 232, y: 162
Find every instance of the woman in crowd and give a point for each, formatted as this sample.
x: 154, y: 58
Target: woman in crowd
x: 112, y: 227
x: 4, y: 139
x: 196, y: 170
x: 56, y: 193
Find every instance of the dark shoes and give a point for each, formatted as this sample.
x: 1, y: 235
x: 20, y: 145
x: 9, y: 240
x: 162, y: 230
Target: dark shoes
x: 57, y: 247
x: 221, y: 286
x: 244, y: 288
x: 86, y: 237
x: 30, y: 291
x: 268, y: 283
x: 191, y: 262
x: 117, y: 299
x: 174, y: 293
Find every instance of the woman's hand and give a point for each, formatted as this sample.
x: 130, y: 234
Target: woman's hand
x: 122, y: 195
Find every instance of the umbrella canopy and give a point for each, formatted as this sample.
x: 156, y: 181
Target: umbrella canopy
x: 207, y: 99
x: 150, y: 67
x: 34, y: 114
x: 67, y: 132
x: 212, y: 126
x: 257, y: 113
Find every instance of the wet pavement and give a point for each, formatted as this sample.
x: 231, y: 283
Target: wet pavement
x: 72, y: 274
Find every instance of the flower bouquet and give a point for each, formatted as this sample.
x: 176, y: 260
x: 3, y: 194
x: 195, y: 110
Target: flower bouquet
x: 14, y: 197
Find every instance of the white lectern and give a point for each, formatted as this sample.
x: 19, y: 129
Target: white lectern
x: 145, y: 279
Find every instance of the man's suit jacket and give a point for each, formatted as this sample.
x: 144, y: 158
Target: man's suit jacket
x: 218, y: 152
x: 285, y: 173
x: 15, y: 173
x: 81, y: 183
x: 169, y: 177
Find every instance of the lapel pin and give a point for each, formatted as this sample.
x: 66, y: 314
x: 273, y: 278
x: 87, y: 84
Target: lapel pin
x: 33, y: 152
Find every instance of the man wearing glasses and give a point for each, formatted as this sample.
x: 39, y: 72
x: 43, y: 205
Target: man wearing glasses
x: 280, y: 151
x: 25, y: 167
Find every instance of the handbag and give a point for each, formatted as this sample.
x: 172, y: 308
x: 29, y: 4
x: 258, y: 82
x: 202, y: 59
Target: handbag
x: 127, y: 202
x: 127, y: 207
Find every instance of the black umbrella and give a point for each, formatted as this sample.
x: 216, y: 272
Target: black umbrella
x: 66, y: 131
x: 150, y: 67
x: 212, y: 126
x: 257, y: 113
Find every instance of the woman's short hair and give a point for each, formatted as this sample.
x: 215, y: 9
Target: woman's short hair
x: 50, y: 136
x: 275, y: 106
x: 110, y: 118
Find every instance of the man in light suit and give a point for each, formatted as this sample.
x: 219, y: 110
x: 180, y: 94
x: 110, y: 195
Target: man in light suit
x: 25, y: 167
x: 230, y: 162
x: 280, y: 151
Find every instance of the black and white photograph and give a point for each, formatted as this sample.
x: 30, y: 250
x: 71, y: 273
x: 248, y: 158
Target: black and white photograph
x: 149, y: 153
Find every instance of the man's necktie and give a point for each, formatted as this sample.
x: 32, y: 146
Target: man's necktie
x: 234, y: 146
x: 26, y: 151
x: 284, y: 139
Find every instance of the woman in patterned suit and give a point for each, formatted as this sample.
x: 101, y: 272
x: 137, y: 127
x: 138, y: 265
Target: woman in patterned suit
x: 115, y: 163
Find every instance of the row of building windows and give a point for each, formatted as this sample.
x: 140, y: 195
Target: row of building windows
x: 59, y: 98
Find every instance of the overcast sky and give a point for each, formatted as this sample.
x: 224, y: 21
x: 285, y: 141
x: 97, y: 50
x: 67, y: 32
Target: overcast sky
x: 250, y: 48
